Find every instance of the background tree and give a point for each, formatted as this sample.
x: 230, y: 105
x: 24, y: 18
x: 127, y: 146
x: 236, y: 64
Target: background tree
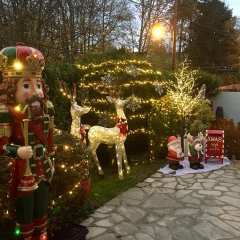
x: 151, y: 12
x: 65, y: 29
x: 212, y: 35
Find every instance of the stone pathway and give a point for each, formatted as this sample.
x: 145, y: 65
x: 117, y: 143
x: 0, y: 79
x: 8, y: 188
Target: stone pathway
x: 203, y: 206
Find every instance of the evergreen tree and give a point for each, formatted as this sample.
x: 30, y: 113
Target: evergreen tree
x: 212, y: 35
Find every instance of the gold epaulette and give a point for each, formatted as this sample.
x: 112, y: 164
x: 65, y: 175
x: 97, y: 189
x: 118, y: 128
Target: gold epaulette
x: 3, y: 108
x: 49, y: 104
x: 5, y: 125
x: 5, y: 130
x: 49, y: 109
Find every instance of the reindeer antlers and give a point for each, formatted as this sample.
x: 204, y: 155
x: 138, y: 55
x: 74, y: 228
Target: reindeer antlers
x: 66, y: 92
x: 191, y: 140
x: 200, y: 136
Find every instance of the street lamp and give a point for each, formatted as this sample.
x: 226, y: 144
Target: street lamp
x: 157, y: 31
x: 174, y: 35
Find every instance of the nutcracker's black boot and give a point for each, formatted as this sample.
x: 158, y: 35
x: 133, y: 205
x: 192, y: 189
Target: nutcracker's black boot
x: 200, y: 166
x: 194, y: 166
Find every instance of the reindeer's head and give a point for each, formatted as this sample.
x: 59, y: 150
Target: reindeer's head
x: 78, y: 111
x: 119, y: 104
x: 196, y: 142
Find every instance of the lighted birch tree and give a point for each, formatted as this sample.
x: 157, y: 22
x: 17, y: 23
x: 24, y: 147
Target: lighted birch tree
x: 182, y: 91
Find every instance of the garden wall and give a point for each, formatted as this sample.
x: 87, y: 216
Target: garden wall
x: 230, y: 103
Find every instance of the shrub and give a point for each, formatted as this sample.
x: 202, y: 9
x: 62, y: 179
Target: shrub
x: 70, y: 180
x: 164, y: 122
x: 202, y: 118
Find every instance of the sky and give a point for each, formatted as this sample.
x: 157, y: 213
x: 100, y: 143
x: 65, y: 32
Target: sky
x: 234, y: 5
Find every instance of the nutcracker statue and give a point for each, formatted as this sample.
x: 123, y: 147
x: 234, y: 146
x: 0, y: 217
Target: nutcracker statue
x: 26, y: 133
x: 175, y: 153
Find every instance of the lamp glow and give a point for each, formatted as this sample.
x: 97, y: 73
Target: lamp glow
x: 35, y: 55
x: 17, y: 65
x: 157, y: 31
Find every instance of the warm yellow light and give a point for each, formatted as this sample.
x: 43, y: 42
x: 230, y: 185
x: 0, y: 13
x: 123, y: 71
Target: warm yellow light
x: 157, y: 31
x: 17, y: 65
x: 17, y: 108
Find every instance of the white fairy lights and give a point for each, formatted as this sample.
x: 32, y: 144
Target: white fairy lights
x: 116, y: 135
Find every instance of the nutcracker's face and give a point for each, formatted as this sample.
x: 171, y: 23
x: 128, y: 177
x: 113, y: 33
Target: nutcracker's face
x: 29, y: 88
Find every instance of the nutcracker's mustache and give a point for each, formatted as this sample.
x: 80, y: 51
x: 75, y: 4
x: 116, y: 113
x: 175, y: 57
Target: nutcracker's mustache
x: 34, y: 99
x: 36, y: 111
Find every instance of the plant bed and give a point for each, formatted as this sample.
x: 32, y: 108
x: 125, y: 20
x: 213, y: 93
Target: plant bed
x: 71, y: 232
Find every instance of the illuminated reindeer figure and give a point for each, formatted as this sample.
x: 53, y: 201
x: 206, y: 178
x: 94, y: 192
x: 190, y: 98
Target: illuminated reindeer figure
x: 116, y: 135
x: 76, y: 110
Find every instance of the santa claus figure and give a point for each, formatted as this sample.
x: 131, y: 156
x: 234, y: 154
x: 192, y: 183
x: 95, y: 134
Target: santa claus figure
x: 175, y: 153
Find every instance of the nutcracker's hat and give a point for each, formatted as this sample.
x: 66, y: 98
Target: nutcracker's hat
x: 21, y: 61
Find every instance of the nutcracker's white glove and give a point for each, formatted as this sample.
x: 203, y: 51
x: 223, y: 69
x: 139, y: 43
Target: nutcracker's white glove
x: 25, y: 152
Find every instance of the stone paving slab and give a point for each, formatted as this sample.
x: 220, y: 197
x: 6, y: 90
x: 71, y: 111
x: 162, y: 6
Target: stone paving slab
x: 197, y: 206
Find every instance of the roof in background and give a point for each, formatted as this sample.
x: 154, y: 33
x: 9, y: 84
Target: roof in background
x: 231, y: 88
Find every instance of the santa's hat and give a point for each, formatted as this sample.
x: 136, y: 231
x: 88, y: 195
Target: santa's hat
x: 172, y: 140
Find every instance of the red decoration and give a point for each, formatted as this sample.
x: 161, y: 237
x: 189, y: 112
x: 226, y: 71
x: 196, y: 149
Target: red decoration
x: 85, y: 189
x: 214, y: 145
x: 35, y: 55
x: 122, y: 125
x: 83, y: 136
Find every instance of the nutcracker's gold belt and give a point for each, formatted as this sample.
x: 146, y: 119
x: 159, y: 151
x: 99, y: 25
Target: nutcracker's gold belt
x: 38, y: 152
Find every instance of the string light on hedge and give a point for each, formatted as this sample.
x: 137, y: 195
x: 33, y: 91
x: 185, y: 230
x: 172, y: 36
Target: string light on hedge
x: 118, y: 68
x: 108, y: 63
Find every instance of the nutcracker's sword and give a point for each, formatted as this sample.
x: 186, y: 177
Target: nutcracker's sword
x: 27, y: 182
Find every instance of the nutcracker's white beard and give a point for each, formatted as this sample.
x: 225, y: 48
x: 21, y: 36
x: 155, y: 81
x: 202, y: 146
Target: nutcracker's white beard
x: 177, y: 149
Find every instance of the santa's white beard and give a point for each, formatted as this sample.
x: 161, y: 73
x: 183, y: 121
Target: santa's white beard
x: 177, y: 149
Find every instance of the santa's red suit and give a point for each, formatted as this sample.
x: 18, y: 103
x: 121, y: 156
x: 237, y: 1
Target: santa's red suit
x: 174, y: 156
x: 175, y: 152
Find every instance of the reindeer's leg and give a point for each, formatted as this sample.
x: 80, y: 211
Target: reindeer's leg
x: 118, y: 147
x: 93, y: 147
x: 125, y: 159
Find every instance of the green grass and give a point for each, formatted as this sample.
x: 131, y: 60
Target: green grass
x: 110, y: 187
